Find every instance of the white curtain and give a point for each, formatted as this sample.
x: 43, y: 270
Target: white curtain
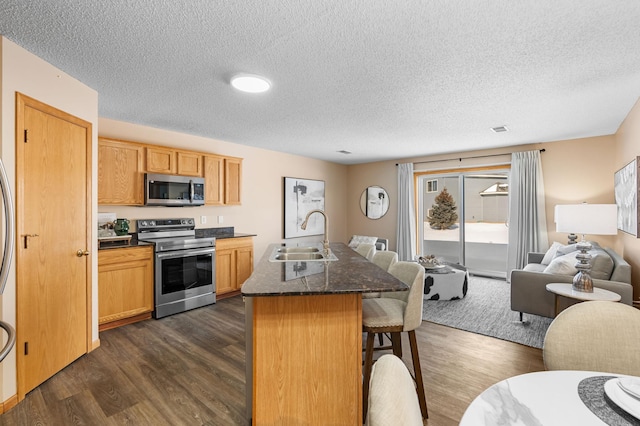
x: 406, y: 230
x: 527, y: 217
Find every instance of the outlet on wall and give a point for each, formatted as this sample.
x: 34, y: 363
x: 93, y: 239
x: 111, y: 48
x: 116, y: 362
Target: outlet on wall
x: 203, y: 220
x: 220, y: 219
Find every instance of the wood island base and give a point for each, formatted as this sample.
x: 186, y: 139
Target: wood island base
x: 307, y: 359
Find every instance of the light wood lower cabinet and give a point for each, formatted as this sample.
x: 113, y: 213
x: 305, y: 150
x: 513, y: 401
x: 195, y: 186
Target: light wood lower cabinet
x: 125, y: 285
x: 234, y: 263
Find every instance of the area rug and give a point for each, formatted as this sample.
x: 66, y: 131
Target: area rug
x: 486, y: 310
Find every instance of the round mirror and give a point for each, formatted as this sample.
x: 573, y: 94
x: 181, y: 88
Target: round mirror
x: 374, y: 202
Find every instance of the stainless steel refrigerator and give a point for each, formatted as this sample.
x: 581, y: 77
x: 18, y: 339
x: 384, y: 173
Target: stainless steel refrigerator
x: 6, y: 254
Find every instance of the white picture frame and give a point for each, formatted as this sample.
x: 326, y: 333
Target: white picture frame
x: 300, y: 197
x: 625, y: 183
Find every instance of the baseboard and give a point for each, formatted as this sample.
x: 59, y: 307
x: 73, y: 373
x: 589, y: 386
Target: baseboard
x: 9, y: 404
x: 95, y: 345
x: 227, y: 295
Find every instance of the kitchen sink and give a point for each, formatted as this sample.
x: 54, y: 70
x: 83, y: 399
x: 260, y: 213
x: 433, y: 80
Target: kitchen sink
x: 300, y: 254
x: 298, y: 250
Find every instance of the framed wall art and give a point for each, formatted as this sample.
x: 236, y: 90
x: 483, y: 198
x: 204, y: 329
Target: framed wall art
x: 300, y: 197
x: 625, y: 183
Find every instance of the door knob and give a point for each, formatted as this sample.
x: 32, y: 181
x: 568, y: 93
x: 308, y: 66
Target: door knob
x: 81, y: 253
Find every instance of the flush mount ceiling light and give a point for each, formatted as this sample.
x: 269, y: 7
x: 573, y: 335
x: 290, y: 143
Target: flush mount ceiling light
x: 500, y: 129
x: 250, y: 83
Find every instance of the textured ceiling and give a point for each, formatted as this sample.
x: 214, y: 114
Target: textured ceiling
x: 382, y: 79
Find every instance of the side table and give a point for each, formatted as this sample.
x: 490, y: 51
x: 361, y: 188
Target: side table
x: 566, y: 290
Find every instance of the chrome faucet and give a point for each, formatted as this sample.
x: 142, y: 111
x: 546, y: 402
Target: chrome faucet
x: 325, y: 243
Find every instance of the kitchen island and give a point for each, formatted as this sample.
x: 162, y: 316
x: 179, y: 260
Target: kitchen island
x: 304, y: 337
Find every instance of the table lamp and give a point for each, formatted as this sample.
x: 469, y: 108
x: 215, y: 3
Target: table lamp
x: 592, y: 219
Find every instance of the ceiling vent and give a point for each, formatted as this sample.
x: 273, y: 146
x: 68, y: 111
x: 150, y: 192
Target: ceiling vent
x: 500, y: 129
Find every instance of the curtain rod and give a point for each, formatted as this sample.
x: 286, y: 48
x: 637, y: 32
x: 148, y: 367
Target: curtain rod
x: 465, y: 158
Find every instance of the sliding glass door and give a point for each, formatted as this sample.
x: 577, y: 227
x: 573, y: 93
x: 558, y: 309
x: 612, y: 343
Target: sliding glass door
x: 464, y: 219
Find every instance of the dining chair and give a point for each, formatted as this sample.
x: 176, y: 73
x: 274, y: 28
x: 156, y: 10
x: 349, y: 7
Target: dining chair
x: 385, y: 259
x: 392, y: 396
x: 594, y: 336
x: 395, y: 312
x: 366, y: 250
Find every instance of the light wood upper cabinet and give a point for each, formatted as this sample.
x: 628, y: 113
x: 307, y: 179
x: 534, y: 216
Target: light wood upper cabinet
x: 122, y: 166
x: 161, y: 160
x: 189, y: 163
x: 213, y: 180
x: 120, y: 172
x: 233, y: 180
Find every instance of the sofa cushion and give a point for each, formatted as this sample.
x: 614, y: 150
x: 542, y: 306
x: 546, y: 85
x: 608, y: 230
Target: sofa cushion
x: 356, y: 240
x: 534, y: 267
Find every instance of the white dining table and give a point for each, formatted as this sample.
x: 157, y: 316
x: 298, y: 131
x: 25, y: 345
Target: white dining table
x: 548, y: 398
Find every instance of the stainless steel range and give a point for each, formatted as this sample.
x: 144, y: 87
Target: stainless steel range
x: 185, y: 266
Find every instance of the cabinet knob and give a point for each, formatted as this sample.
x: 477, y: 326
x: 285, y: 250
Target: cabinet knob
x: 81, y: 253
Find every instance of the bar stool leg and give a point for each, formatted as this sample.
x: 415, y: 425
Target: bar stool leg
x: 396, y: 344
x: 418, y: 373
x: 368, y: 363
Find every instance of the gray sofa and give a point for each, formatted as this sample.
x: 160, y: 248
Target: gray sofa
x: 380, y: 243
x: 528, y: 285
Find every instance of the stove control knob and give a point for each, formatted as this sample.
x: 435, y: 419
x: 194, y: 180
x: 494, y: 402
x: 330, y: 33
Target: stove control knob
x: 190, y: 221
x: 152, y: 223
x: 143, y: 223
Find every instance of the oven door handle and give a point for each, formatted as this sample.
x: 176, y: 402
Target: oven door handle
x: 185, y: 253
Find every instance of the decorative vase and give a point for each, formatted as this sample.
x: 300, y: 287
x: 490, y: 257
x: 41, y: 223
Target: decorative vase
x: 121, y: 226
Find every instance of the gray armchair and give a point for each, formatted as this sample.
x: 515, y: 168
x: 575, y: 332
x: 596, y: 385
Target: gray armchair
x: 529, y: 293
x: 382, y: 244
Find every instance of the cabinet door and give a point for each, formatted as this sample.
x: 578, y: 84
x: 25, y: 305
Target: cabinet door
x: 120, y: 176
x: 125, y: 283
x: 161, y: 160
x: 225, y: 271
x: 189, y: 163
x: 244, y: 264
x: 233, y: 180
x: 214, y: 180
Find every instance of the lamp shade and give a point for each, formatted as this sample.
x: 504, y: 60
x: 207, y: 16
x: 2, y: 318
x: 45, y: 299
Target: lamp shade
x: 593, y: 219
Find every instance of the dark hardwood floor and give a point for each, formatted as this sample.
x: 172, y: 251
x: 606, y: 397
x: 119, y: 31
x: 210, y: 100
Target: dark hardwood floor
x: 188, y: 369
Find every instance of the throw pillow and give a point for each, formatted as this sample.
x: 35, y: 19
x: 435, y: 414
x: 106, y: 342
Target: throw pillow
x: 551, y: 253
x: 356, y: 240
x: 564, y: 250
x: 601, y: 264
x: 562, y: 265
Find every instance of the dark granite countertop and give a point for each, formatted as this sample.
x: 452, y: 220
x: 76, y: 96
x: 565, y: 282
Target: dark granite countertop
x: 123, y: 244
x: 220, y: 233
x: 351, y: 273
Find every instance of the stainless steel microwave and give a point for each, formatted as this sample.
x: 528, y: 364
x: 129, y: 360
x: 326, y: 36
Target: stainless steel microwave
x: 173, y: 190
